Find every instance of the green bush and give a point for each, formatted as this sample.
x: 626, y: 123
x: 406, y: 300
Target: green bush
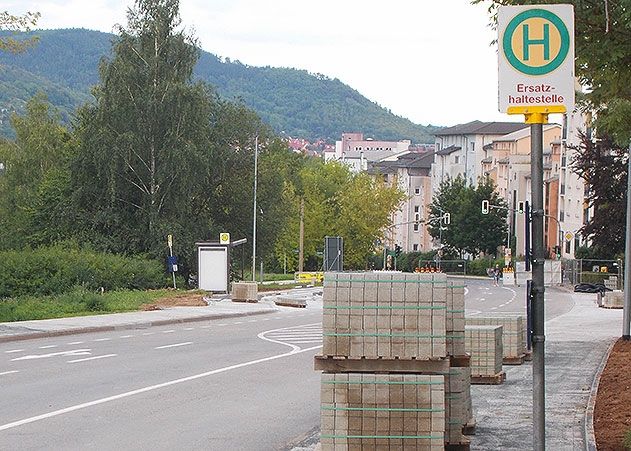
x: 54, y: 270
x: 626, y: 440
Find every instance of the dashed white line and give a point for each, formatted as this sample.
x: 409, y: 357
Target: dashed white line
x: 252, y: 321
x: 205, y: 327
x: 189, y: 328
x: 103, y: 339
x: 265, y: 319
x: 9, y: 372
x: 13, y: 351
x: 126, y: 336
x: 168, y: 331
x: 92, y: 358
x: 174, y: 345
x: 222, y: 324
x: 147, y: 334
x: 47, y: 346
x: 238, y: 322
x: 75, y: 343
x: 493, y: 308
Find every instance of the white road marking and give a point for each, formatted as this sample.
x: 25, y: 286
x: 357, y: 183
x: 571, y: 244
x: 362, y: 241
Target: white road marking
x: 174, y: 346
x: 222, y: 324
x: 75, y: 343
x: 97, y: 402
x: 147, y: 334
x: 96, y: 357
x: 493, y: 308
x: 265, y: 319
x: 103, y: 339
x: 66, y: 353
x: 252, y: 321
x: 168, y: 331
x: 238, y: 322
x: 294, y: 334
x: 9, y: 372
x: 482, y: 299
x: 13, y: 351
x: 126, y: 336
x: 47, y: 346
x: 205, y: 327
x: 189, y: 328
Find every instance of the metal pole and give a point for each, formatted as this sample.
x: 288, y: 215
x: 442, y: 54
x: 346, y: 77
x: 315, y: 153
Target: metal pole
x: 538, y: 259
x: 626, y: 313
x: 256, y: 164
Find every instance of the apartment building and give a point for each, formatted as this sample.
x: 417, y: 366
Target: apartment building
x: 460, y: 149
x: 411, y: 172
x: 357, y: 152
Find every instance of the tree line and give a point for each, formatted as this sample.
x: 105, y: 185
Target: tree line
x: 157, y: 152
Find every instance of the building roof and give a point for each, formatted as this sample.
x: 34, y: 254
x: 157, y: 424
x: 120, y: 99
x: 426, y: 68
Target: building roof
x: 482, y: 128
x: 522, y: 133
x: 448, y: 150
x: 487, y: 160
x: 505, y: 160
x: 410, y: 160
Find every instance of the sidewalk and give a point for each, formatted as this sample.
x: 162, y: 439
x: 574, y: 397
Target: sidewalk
x: 576, y: 344
x: 217, y: 309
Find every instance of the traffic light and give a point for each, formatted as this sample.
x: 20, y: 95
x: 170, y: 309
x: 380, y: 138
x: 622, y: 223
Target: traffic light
x: 446, y: 218
x: 520, y: 207
x: 485, y: 207
x: 397, y: 250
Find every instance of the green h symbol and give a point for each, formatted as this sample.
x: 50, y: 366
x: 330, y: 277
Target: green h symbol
x: 545, y: 42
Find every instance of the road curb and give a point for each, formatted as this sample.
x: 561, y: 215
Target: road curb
x: 126, y: 326
x: 588, y: 422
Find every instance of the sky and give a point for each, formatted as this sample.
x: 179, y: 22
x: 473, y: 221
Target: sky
x: 427, y: 60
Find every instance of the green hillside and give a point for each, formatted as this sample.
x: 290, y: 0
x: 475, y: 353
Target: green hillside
x: 64, y: 65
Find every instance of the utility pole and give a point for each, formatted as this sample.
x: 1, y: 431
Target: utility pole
x: 256, y: 162
x: 301, y: 249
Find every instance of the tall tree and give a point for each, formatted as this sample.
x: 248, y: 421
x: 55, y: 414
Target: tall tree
x: 603, y: 166
x: 603, y: 58
x: 143, y: 142
x: 35, y: 163
x: 469, y: 230
x: 337, y: 203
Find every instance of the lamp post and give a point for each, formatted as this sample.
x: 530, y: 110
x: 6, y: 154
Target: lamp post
x: 256, y: 162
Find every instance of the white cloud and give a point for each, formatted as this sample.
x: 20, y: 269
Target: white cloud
x: 428, y: 61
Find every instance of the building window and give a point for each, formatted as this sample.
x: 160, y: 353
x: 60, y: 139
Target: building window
x: 385, y: 177
x: 417, y: 190
x: 416, y: 209
x: 567, y: 247
x: 415, y: 247
x: 472, y: 146
x: 456, y: 159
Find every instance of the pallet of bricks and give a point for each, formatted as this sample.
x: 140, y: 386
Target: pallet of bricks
x: 514, y: 338
x: 484, y: 343
x: 389, y: 379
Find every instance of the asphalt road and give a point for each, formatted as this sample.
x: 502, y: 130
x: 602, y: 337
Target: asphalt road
x: 238, y: 384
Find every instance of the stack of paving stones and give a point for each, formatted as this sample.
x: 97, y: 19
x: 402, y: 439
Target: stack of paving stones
x: 244, y: 292
x: 484, y: 344
x: 514, y: 337
x: 388, y: 340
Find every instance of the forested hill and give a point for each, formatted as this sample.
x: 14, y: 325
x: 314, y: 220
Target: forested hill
x: 64, y: 65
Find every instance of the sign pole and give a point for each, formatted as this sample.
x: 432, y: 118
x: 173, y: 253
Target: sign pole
x: 170, y: 243
x: 626, y: 313
x: 537, y: 288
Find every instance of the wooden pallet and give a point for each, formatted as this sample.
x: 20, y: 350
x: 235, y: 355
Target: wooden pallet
x: 514, y: 360
x: 343, y: 364
x: 469, y: 428
x: 290, y: 304
x: 497, y: 379
x: 463, y: 446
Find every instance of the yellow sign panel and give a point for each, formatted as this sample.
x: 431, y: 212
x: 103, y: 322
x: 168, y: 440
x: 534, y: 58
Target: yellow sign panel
x: 224, y: 238
x: 568, y: 236
x: 170, y: 240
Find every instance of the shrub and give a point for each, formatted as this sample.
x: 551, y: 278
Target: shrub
x: 58, y: 269
x: 479, y: 266
x: 626, y: 440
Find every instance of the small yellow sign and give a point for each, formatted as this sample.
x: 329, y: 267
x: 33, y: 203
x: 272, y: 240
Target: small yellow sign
x: 170, y: 240
x: 224, y: 238
x: 568, y: 236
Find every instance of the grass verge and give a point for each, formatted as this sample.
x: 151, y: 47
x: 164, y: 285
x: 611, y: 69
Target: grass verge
x: 78, y: 302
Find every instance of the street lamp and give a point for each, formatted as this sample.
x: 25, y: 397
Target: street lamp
x: 256, y: 162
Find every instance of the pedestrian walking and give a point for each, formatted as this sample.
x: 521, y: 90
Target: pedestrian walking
x: 496, y: 276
